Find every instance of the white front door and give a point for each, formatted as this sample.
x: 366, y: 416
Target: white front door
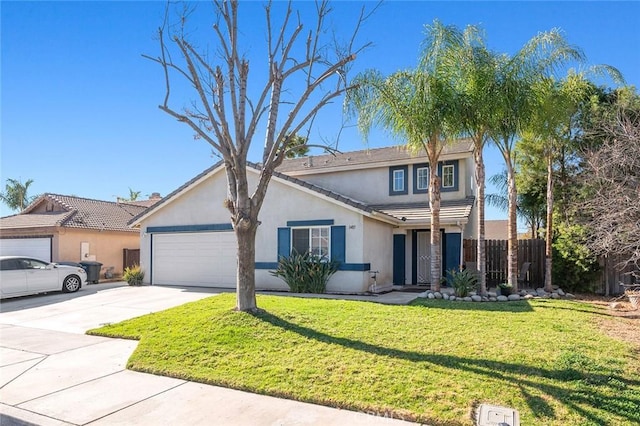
x: 199, y: 259
x: 424, y: 257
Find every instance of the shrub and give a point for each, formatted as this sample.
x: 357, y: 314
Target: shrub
x: 505, y: 289
x: 133, y: 275
x: 574, y: 266
x: 304, y: 273
x: 463, y: 282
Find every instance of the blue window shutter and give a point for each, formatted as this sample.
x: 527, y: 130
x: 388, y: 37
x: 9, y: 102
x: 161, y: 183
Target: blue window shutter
x: 338, y: 244
x: 284, y: 242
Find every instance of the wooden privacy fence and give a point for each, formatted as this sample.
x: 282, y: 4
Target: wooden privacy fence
x: 531, y: 251
x: 612, y: 275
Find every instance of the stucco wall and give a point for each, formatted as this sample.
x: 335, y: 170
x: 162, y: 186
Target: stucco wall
x: 106, y: 246
x: 378, y: 249
x: 372, y: 185
x: 284, y: 202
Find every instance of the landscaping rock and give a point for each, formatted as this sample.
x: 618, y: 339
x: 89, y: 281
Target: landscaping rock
x: 555, y: 296
x: 476, y: 298
x: 502, y: 298
x: 445, y: 296
x: 492, y: 299
x: 523, y: 293
x: 492, y: 294
x: 423, y: 294
x: 431, y: 296
x: 540, y: 292
x: 438, y: 295
x: 467, y: 299
x: 569, y: 296
x: 485, y: 299
x: 529, y: 296
x: 561, y: 292
x: 513, y: 297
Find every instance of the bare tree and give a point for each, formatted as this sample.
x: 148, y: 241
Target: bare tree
x: 613, y: 180
x: 303, y: 75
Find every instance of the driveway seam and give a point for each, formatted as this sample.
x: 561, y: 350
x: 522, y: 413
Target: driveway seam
x: 28, y: 369
x: 37, y: 414
x: 137, y: 402
x: 67, y: 388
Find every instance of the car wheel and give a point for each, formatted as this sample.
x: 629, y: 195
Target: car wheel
x: 71, y: 283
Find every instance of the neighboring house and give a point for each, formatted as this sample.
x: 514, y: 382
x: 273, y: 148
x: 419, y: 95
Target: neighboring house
x: 496, y: 230
x: 67, y: 228
x: 366, y: 209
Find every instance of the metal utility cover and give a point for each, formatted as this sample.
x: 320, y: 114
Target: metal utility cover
x: 494, y: 415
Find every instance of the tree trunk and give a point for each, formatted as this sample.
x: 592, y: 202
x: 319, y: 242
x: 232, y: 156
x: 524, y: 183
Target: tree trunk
x: 481, y: 256
x: 246, y: 273
x: 512, y: 254
x: 434, y: 206
x: 548, y: 251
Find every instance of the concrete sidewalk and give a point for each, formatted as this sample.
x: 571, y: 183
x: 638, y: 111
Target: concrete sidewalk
x: 53, y: 374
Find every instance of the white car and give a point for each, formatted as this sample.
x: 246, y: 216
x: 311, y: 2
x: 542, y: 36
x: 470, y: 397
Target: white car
x: 20, y: 276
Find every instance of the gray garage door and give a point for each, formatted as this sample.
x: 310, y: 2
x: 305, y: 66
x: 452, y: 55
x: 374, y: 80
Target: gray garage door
x: 40, y: 247
x: 199, y: 259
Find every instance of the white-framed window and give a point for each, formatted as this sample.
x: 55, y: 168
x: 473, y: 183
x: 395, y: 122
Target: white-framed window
x: 422, y: 178
x: 398, y: 180
x: 313, y: 240
x: 448, y: 176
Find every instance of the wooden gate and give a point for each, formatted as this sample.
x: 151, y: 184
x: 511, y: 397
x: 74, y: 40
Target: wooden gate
x: 130, y: 257
x: 531, y: 251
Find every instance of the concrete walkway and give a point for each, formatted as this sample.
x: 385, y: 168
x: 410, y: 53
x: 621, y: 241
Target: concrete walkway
x: 51, y: 373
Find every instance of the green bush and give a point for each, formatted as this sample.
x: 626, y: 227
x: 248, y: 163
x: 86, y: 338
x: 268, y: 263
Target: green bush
x: 463, y: 282
x: 574, y: 266
x: 133, y: 275
x: 305, y: 273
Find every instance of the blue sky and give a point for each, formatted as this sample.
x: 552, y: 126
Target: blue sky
x: 79, y: 103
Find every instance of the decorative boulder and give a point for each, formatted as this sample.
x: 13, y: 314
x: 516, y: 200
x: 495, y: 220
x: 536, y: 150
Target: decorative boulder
x: 467, y: 299
x: 502, y: 298
x: 569, y: 296
x: 513, y: 297
x: 561, y: 292
x: 492, y: 294
x: 438, y: 295
x: 445, y: 296
x: 476, y: 298
x: 431, y: 296
x: 529, y: 296
x: 555, y: 296
x: 492, y: 299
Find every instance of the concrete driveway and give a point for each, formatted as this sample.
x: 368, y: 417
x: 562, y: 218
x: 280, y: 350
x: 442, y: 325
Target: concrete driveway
x: 51, y: 373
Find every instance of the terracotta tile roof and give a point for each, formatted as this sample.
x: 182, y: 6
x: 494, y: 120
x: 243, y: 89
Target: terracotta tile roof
x: 34, y: 220
x: 368, y: 156
x: 450, y: 211
x: 74, y: 212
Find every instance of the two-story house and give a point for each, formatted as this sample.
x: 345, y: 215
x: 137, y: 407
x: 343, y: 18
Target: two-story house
x: 367, y: 209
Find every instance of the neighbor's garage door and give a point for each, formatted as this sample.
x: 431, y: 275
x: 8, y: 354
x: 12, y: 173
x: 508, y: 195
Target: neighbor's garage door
x: 201, y: 259
x: 40, y: 248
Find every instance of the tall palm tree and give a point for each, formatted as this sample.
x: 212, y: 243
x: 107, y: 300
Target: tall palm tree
x: 472, y: 67
x: 15, y: 195
x: 419, y: 106
x: 515, y: 104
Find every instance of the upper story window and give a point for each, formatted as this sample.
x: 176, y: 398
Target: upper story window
x: 448, y: 176
x: 398, y: 180
x: 313, y: 240
x: 448, y: 172
x: 420, y: 178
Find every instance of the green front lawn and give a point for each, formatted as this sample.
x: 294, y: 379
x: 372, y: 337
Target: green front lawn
x: 431, y: 362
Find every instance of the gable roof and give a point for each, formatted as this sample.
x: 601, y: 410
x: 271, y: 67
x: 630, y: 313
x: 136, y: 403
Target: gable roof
x: 319, y: 191
x: 73, y: 212
x: 369, y: 157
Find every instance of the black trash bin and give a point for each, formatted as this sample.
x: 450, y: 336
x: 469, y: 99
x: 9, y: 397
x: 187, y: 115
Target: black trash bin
x: 93, y: 271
